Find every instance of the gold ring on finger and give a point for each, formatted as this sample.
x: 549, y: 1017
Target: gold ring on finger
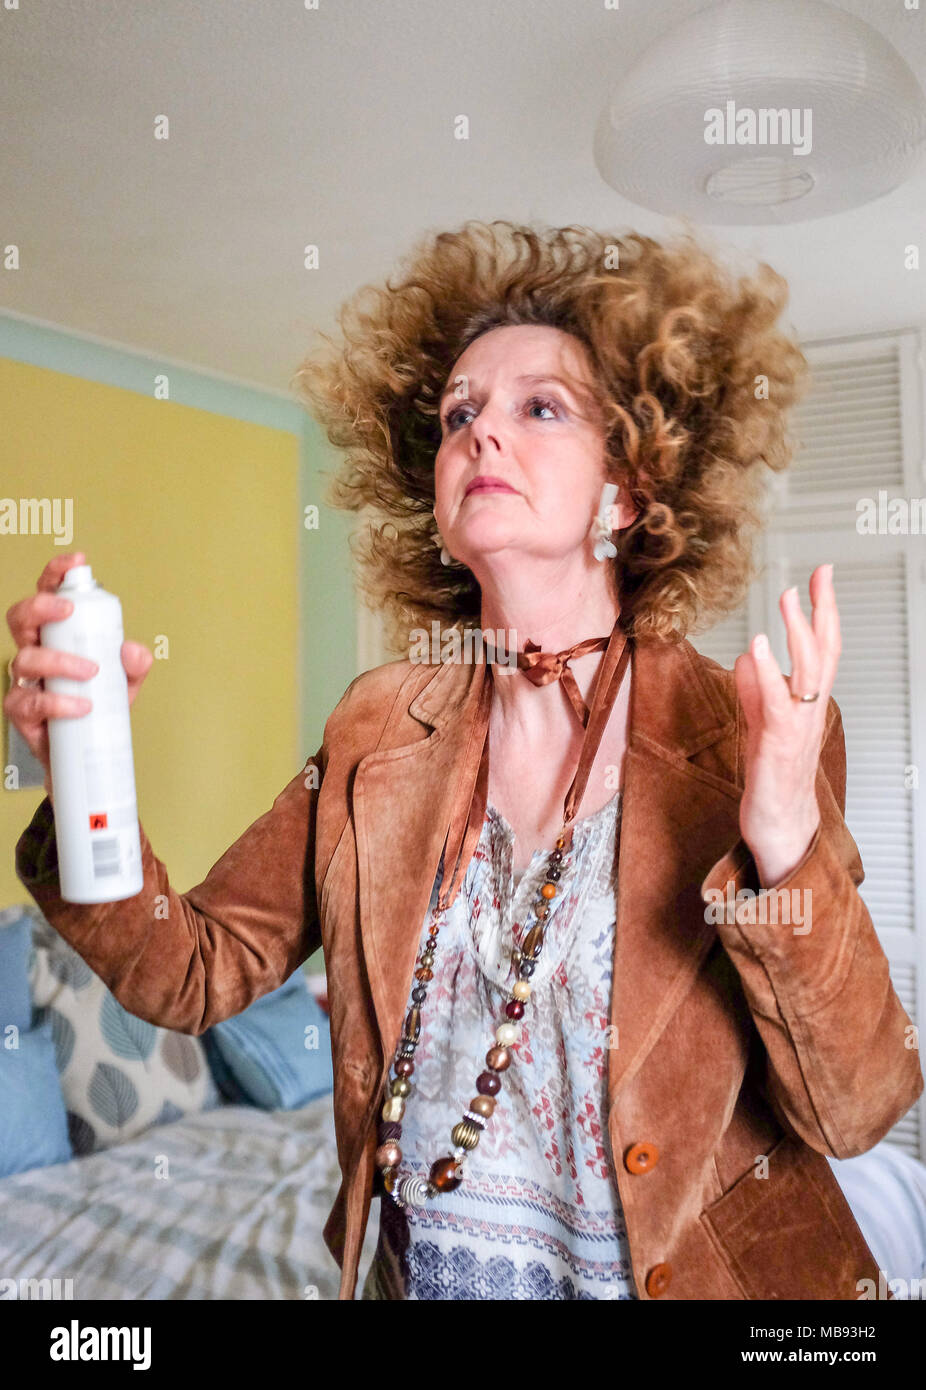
x: 19, y: 680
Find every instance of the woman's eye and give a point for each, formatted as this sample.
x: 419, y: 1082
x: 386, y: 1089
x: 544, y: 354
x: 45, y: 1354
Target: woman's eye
x: 542, y: 401
x: 451, y: 415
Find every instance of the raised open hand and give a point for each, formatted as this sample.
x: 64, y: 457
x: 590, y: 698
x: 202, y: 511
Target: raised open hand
x: 779, y: 813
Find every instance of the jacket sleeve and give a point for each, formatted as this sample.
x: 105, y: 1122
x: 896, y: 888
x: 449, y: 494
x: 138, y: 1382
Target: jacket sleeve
x: 185, y: 961
x: 843, y: 1062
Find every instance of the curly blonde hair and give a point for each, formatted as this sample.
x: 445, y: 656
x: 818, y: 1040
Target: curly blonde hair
x: 678, y: 346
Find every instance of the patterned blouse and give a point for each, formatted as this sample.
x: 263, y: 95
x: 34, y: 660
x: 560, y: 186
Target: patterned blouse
x: 538, y: 1214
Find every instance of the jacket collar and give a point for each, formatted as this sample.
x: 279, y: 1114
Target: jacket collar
x: 677, y: 820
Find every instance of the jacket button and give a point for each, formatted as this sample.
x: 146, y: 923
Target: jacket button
x: 640, y: 1158
x: 658, y: 1280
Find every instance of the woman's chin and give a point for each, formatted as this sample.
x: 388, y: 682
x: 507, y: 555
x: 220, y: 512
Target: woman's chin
x: 475, y: 550
x: 488, y: 540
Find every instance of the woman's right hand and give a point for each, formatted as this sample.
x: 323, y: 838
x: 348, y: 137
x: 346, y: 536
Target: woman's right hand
x: 29, y: 707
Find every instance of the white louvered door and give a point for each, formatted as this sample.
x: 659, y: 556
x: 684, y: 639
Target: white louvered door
x: 851, y: 423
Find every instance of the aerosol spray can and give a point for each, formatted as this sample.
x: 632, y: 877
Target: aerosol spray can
x: 92, y: 770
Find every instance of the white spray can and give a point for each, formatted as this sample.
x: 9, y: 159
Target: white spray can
x: 92, y: 769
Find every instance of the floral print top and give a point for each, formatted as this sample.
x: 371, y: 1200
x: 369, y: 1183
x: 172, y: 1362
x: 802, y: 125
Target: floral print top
x: 538, y: 1214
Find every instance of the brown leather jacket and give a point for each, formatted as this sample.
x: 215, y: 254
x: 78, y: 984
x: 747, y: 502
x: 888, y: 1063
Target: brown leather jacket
x: 734, y: 1039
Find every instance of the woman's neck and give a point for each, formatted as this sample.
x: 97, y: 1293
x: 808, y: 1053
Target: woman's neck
x: 551, y: 609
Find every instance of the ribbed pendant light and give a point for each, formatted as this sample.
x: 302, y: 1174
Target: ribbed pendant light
x: 807, y: 111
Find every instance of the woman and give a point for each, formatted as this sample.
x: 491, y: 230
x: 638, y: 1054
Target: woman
x: 575, y: 1056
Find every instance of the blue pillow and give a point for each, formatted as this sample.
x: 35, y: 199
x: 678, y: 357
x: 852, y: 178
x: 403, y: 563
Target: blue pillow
x: 15, y: 944
x: 276, y: 1054
x: 33, y: 1119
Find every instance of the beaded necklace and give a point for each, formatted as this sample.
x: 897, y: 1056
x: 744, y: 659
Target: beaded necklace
x: 447, y: 1172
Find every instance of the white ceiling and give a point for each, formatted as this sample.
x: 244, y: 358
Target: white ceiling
x: 334, y: 126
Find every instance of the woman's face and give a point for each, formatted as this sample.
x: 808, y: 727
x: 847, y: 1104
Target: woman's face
x: 517, y: 469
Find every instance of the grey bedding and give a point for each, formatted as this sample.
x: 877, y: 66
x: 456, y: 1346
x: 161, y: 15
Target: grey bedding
x: 226, y: 1204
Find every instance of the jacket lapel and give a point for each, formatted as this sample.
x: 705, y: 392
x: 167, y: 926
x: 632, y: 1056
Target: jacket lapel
x: 403, y: 802
x: 677, y: 820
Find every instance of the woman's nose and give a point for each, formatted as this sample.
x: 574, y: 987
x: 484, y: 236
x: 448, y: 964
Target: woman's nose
x: 489, y: 429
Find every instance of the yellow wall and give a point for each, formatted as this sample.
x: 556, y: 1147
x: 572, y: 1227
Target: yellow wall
x: 193, y: 519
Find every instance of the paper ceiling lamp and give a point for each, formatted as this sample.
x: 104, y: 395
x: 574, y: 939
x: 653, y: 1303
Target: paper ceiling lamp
x: 763, y: 111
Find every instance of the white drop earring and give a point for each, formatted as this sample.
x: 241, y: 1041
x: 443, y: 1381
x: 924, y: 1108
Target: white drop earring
x: 601, y: 525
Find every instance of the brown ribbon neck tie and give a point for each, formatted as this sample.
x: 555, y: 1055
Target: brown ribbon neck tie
x: 542, y: 668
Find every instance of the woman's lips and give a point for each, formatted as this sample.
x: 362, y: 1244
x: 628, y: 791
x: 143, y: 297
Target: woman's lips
x: 488, y: 485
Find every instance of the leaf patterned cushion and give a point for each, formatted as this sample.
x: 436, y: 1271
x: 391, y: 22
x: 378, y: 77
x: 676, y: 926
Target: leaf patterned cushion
x: 119, y: 1075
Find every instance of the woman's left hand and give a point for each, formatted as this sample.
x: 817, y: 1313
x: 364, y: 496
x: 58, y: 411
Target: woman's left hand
x: 779, y: 813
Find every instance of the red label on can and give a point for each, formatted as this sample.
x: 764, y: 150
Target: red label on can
x: 98, y: 821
